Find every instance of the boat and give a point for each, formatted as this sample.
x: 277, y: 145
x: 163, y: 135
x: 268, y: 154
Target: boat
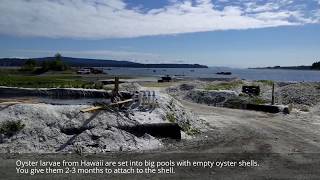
x: 165, y: 79
x: 224, y: 73
x: 84, y: 71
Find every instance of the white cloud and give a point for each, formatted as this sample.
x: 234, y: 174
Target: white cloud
x: 100, y: 19
x: 253, y: 7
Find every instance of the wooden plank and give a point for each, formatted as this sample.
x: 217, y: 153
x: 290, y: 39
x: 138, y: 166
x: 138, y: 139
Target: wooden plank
x: 101, y: 107
x: 91, y: 109
x: 121, y: 102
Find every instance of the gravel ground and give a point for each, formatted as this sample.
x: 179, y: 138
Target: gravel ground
x: 55, y: 128
x: 302, y: 96
x: 286, y: 145
x: 239, y: 131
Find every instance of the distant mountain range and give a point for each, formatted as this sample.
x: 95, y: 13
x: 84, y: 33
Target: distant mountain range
x: 83, y: 62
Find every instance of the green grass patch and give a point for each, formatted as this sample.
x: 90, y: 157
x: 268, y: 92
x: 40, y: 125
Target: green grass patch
x: 171, y: 117
x: 12, y: 71
x: 224, y: 85
x: 238, y: 102
x: 50, y: 81
x: 267, y: 82
x: 186, y: 127
x: 10, y: 128
x: 156, y: 84
x: 192, y: 131
x: 257, y: 100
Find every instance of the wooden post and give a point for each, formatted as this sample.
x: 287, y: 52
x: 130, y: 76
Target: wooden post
x: 115, y: 92
x: 272, y: 100
x: 116, y: 85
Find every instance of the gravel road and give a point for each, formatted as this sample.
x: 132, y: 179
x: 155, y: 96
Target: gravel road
x: 236, y: 131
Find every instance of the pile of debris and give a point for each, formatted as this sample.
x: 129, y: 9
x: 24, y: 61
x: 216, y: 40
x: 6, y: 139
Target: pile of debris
x: 212, y: 97
x: 132, y: 121
x: 300, y: 94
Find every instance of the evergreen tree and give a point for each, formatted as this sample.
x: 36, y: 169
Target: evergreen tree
x: 316, y: 65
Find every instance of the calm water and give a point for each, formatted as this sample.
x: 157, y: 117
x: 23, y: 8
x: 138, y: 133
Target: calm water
x: 248, y: 74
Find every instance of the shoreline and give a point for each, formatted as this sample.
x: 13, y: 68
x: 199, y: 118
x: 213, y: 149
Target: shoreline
x: 297, y: 69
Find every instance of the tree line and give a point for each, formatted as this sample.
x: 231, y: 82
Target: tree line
x: 316, y: 65
x: 55, y: 65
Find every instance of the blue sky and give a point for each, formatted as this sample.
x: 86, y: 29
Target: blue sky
x: 240, y: 33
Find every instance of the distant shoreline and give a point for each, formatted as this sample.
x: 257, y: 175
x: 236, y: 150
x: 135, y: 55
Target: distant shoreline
x: 84, y: 62
x: 308, y: 68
